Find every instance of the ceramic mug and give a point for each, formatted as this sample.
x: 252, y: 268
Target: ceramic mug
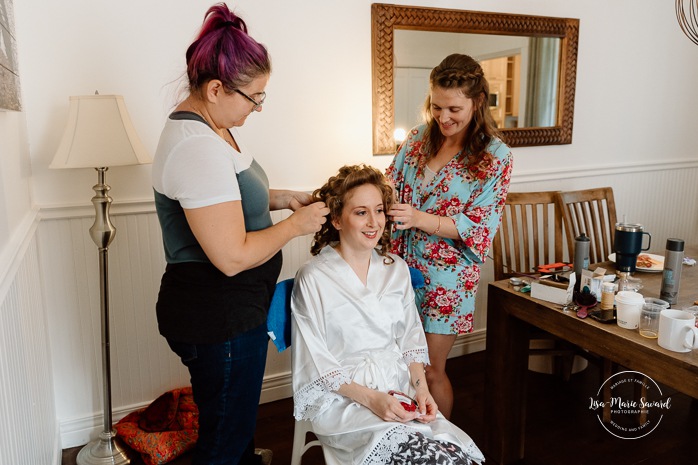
x: 677, y: 331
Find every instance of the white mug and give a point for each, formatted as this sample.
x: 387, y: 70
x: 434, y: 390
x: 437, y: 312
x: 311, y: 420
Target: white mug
x: 677, y: 331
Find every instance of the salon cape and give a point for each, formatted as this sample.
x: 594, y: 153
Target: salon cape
x: 343, y: 331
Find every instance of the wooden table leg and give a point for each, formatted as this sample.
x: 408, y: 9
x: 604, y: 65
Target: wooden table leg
x: 505, y: 385
x: 606, y: 372
x: 641, y: 393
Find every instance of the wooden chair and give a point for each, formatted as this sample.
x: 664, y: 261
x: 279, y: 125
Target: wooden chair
x: 531, y: 235
x: 593, y: 212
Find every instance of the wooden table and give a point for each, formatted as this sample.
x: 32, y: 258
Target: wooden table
x: 510, y: 315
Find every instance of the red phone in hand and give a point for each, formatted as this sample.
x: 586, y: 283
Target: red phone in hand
x: 406, y: 401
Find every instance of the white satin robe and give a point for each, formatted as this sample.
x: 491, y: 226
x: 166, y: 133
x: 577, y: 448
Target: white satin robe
x: 344, y: 331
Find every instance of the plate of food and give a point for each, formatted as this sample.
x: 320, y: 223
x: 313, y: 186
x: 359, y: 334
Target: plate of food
x: 646, y: 262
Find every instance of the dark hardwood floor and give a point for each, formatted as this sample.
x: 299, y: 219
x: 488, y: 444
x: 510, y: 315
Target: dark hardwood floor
x: 561, y: 429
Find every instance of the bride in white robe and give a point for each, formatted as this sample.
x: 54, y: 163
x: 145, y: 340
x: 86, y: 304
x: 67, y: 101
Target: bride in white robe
x: 356, y: 335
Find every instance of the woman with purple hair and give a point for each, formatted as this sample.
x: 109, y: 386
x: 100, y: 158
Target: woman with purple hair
x: 222, y: 250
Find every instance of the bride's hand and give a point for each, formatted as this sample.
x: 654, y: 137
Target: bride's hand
x: 426, y: 406
x: 388, y: 408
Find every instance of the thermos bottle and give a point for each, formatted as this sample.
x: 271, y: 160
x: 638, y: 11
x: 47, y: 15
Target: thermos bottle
x: 581, y: 258
x: 673, y: 260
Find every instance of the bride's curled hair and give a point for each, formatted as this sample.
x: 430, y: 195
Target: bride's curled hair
x: 334, y: 194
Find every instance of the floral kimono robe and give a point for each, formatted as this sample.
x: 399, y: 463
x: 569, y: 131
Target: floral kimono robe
x: 474, y: 200
x: 344, y: 331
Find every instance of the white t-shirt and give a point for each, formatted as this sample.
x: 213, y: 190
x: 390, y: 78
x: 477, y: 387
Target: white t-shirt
x: 195, y: 166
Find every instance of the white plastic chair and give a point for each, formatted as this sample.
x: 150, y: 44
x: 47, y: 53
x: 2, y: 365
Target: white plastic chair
x: 279, y: 329
x: 303, y: 427
x: 300, y: 446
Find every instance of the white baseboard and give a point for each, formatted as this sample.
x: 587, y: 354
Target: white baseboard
x: 469, y: 343
x: 80, y: 431
x: 276, y: 387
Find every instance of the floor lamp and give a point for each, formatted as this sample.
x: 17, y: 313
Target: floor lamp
x: 99, y: 134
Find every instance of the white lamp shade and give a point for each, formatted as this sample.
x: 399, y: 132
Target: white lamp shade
x: 99, y: 134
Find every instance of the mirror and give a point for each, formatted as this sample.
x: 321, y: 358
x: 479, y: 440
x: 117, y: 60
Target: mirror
x: 528, y: 60
x: 522, y: 73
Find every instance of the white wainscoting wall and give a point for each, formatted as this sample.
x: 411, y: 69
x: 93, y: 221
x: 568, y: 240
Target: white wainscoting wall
x: 64, y: 265
x: 29, y: 430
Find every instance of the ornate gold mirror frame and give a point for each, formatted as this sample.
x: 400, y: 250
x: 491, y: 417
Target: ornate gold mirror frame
x: 386, y: 18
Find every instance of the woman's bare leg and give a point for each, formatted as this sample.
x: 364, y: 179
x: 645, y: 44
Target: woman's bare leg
x: 439, y: 384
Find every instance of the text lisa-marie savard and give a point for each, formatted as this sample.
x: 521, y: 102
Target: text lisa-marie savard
x: 620, y: 403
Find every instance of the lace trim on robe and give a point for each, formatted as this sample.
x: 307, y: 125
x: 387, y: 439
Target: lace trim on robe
x: 403, y: 446
x: 416, y: 356
x: 316, y: 396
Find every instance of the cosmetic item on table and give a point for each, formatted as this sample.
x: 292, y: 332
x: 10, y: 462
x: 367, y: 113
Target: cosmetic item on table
x: 623, y: 281
x: 608, y: 296
x: 628, y: 307
x: 581, y: 257
x: 592, y: 280
x: 584, y: 301
x: 550, y: 289
x: 671, y: 275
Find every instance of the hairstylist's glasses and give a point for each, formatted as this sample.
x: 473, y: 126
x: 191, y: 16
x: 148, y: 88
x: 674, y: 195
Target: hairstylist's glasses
x: 257, y: 104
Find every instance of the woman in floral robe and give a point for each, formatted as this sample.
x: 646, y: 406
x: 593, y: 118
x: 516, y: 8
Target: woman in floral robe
x: 451, y: 177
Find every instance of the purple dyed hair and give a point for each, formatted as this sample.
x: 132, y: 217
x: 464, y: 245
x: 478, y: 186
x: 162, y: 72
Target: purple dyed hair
x: 223, y: 50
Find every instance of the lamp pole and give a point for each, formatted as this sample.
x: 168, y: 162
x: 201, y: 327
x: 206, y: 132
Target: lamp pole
x: 105, y: 450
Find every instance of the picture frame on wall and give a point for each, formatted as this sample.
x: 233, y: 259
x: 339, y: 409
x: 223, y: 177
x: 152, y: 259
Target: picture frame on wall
x: 9, y: 67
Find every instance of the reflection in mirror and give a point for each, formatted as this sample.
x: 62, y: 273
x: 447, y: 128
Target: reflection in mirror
x: 530, y: 63
x: 522, y: 73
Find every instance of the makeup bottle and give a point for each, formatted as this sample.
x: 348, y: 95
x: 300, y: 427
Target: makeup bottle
x: 581, y: 258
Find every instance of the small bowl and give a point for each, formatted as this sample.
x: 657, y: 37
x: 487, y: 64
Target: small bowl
x: 515, y: 281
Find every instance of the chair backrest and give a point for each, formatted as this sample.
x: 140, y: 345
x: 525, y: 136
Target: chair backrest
x: 530, y: 234
x: 279, y: 315
x: 593, y: 212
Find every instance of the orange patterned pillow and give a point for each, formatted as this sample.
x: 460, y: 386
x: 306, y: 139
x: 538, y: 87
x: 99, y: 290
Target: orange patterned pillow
x: 171, y: 427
